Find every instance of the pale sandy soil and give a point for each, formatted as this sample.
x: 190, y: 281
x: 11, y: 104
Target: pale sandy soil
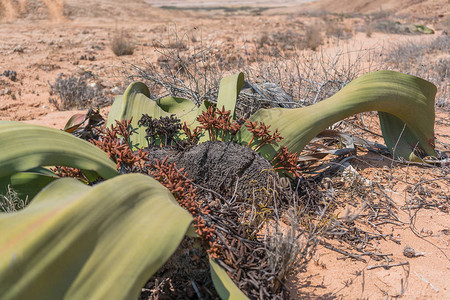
x: 53, y: 41
x: 206, y: 3
x: 418, y: 8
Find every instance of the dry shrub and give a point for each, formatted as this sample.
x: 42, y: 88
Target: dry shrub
x: 334, y: 29
x: 309, y: 77
x: 313, y: 38
x: 122, y: 43
x: 369, y: 31
x: 179, y: 44
x: 75, y: 92
x: 428, y: 60
x: 185, y: 71
x: 280, y: 43
x: 11, y: 202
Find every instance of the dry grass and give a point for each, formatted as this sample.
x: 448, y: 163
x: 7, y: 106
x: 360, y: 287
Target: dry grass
x: 75, y: 92
x: 336, y: 28
x: 122, y: 43
x: 11, y: 202
x: 313, y: 38
x: 428, y: 60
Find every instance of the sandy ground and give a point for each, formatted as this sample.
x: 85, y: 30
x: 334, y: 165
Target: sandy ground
x: 211, y: 4
x: 41, y: 39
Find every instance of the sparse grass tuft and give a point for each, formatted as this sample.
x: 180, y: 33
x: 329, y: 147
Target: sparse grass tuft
x: 427, y: 60
x: 288, y: 248
x: 122, y: 44
x: 11, y: 202
x: 335, y: 28
x: 74, y: 92
x: 313, y: 38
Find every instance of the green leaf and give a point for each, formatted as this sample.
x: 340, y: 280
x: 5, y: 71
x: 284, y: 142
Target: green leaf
x: 80, y: 242
x: 25, y: 146
x: 229, y: 90
x: 400, y: 139
x: 136, y: 101
x: 176, y: 105
x: 27, y: 184
x: 75, y: 122
x: 410, y: 99
x: 225, y: 287
x: 133, y: 104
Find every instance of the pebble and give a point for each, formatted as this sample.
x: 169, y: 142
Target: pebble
x: 107, y: 84
x: 115, y: 90
x: 18, y: 49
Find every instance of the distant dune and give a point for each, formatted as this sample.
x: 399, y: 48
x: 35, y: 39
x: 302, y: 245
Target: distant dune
x: 63, y: 10
x: 411, y: 7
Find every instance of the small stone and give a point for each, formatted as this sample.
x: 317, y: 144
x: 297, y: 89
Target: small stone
x: 44, y: 106
x: 7, y: 91
x: 115, y: 90
x: 12, y: 75
x: 18, y: 49
x: 106, y: 84
x: 410, y: 252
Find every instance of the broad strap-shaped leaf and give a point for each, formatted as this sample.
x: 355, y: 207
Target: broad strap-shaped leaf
x: 410, y: 99
x: 25, y: 146
x: 400, y: 139
x: 229, y: 90
x: 78, y: 121
x: 183, y: 109
x: 225, y: 287
x: 132, y: 105
x: 80, y: 242
x: 29, y: 183
x: 135, y: 102
x: 75, y: 122
x: 176, y: 105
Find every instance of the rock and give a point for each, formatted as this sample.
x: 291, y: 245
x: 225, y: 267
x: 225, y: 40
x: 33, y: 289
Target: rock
x: 107, y: 84
x: 410, y: 252
x: 18, y: 49
x: 115, y: 90
x: 271, y: 92
x: 12, y: 75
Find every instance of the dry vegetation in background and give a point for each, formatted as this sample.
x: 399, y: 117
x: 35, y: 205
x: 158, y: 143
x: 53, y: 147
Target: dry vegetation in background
x: 122, y: 43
